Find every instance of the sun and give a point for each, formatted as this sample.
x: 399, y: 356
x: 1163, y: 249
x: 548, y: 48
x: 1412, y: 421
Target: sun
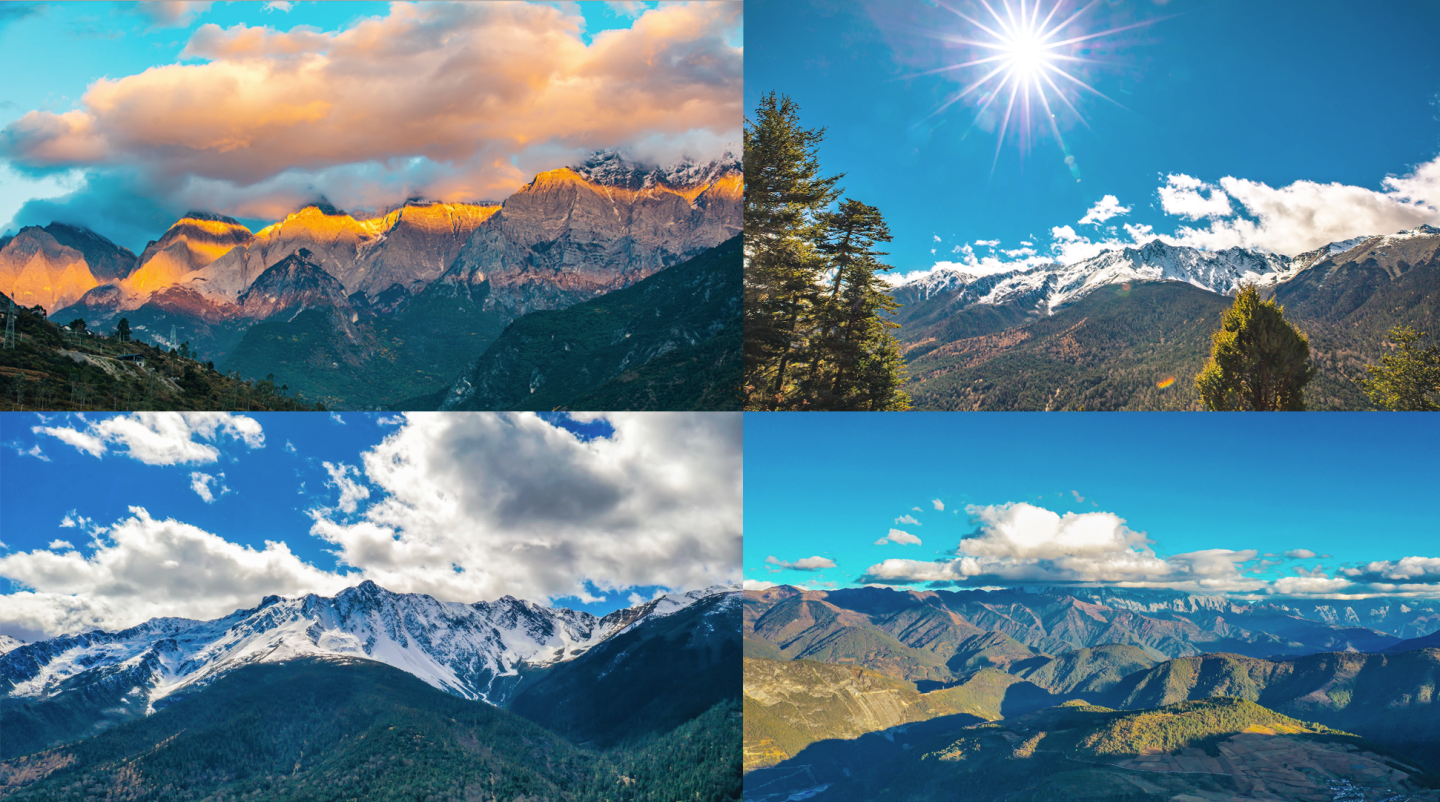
x: 1028, y: 54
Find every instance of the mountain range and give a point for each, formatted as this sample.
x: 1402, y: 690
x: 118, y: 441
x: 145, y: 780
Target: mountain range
x: 405, y: 297
x: 1105, y: 332
x: 826, y: 672
x: 63, y: 688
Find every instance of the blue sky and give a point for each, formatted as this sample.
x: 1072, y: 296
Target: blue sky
x: 1267, y: 94
x: 456, y: 102
x: 464, y: 507
x: 1359, y: 488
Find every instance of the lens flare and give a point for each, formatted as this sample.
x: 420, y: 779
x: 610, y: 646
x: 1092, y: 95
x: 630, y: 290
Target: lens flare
x: 1028, y: 57
x: 1166, y: 382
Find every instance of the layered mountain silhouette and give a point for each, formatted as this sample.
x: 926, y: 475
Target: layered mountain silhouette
x: 872, y: 692
x: 1105, y: 332
x: 422, y: 289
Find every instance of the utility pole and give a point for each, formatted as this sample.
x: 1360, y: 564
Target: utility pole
x: 9, y: 341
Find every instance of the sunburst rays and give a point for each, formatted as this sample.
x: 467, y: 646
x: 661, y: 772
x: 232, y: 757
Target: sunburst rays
x: 1026, y: 55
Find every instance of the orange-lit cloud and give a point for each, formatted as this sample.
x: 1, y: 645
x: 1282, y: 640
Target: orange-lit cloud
x: 453, y: 100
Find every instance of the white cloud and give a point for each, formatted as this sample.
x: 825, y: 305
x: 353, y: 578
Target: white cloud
x: 1193, y: 199
x: 907, y: 519
x: 160, y: 438
x: 916, y: 509
x: 937, y: 237
x: 208, y: 487
x: 1076, y: 494
x: 526, y: 508
x: 757, y: 584
x: 345, y: 478
x: 898, y: 536
x: 335, y: 416
x: 1020, y: 253
x: 1104, y: 209
x: 1406, y: 571
x: 939, y: 505
x: 146, y: 568
x: 60, y: 545
x: 1020, y: 543
x: 802, y: 564
x: 289, y: 447
x: 1236, y: 212
x: 277, y: 5
x: 1300, y: 554
x: 37, y: 453
x: 393, y: 420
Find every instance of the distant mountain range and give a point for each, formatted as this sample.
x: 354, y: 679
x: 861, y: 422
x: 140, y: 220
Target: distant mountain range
x: 1103, y: 333
x: 827, y: 673
x: 405, y: 298
x: 60, y: 689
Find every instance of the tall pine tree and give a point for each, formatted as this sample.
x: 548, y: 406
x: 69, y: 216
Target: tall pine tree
x: 785, y: 201
x: 856, y: 364
x: 817, y: 333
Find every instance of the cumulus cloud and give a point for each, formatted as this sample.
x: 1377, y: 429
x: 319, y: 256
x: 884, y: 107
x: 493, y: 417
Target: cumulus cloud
x: 143, y: 568
x: 1192, y: 198
x: 939, y: 505
x: 1020, y: 543
x: 1234, y: 212
x: 1406, y: 571
x: 802, y: 564
x: 1300, y: 554
x: 757, y: 584
x: 987, y: 243
x: 907, y: 519
x: 346, y: 479
x: 160, y: 438
x: 1104, y: 209
x: 463, y: 507
x: 527, y: 508
x: 457, y: 101
x: 208, y: 487
x: 898, y: 536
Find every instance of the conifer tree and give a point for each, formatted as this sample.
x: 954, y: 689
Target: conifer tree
x: 785, y: 200
x: 817, y: 335
x: 1407, y: 379
x: 857, y: 363
x: 1258, y: 360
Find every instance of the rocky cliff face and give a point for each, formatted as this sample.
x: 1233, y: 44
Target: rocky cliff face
x: 106, y: 260
x: 195, y: 241
x: 291, y: 285
x: 419, y: 245
x: 569, y: 235
x: 36, y: 268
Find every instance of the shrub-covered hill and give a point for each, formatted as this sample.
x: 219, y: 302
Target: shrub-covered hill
x: 1214, y: 749
x: 55, y: 367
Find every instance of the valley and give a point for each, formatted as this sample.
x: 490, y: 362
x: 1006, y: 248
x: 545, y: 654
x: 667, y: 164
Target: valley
x: 1089, y: 693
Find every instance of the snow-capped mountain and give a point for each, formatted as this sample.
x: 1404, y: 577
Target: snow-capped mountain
x: 8, y: 643
x: 612, y: 168
x: 1049, y: 287
x: 476, y: 651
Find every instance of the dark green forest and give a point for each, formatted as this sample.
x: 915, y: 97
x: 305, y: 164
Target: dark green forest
x: 328, y: 730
